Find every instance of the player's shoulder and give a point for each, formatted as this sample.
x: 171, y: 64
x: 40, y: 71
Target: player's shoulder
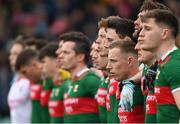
x: 172, y: 60
x: 23, y: 79
x: 91, y: 74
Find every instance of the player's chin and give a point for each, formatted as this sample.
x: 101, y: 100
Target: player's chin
x: 112, y: 75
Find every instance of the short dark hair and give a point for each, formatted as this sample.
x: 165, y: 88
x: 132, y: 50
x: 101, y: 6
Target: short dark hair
x: 165, y: 17
x: 38, y: 43
x: 150, y: 5
x: 126, y: 46
x: 82, y: 43
x: 123, y: 27
x: 24, y: 58
x: 49, y: 50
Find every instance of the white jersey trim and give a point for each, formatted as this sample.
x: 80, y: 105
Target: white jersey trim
x: 173, y: 91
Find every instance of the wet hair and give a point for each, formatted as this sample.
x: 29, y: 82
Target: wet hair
x: 82, y: 43
x: 164, y: 17
x: 49, y: 50
x: 126, y: 46
x: 24, y: 58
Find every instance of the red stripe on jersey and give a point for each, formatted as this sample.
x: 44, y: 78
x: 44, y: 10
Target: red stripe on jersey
x: 35, y: 91
x: 164, y: 95
x: 45, y: 95
x: 80, y: 105
x: 101, y: 96
x: 113, y: 87
x: 136, y: 116
x: 151, y: 104
x: 56, y: 108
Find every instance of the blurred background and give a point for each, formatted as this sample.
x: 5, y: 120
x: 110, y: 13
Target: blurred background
x: 50, y: 18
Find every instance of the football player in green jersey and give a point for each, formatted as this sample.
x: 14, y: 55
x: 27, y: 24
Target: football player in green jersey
x: 159, y: 30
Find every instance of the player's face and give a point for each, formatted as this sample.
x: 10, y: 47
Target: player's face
x: 137, y: 22
x: 49, y: 65
x: 14, y: 52
x: 68, y: 56
x: 34, y: 70
x: 144, y: 56
x: 111, y: 35
x: 102, y: 59
x: 117, y: 64
x: 150, y: 35
x: 94, y: 54
x: 58, y: 52
x: 101, y: 38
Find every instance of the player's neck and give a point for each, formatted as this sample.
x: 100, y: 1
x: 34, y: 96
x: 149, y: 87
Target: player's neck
x: 78, y: 68
x: 164, y: 48
x: 133, y: 72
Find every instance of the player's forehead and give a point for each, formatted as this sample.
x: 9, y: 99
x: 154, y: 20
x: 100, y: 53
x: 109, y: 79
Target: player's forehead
x: 114, y: 53
x: 102, y: 31
x: 68, y: 46
x: 142, y: 13
x: 148, y: 22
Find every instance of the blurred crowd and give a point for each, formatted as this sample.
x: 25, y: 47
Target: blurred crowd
x: 48, y: 19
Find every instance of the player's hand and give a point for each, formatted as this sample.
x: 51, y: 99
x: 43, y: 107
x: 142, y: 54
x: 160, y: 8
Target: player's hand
x: 126, y: 99
x: 147, y: 81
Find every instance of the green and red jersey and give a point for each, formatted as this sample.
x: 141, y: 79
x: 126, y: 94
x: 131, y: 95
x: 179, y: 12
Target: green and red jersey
x: 56, y: 107
x: 149, y: 103
x: 168, y: 81
x: 47, y: 86
x: 35, y: 91
x: 80, y: 103
x: 111, y: 102
x: 101, y: 99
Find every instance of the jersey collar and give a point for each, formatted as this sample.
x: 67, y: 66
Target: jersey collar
x: 167, y: 53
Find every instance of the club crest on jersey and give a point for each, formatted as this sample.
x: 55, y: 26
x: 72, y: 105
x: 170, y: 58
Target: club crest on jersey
x: 75, y: 88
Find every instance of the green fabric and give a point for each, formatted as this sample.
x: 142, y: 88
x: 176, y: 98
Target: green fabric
x: 112, y: 102
x: 56, y: 95
x: 102, y: 109
x: 112, y: 114
x: 45, y: 114
x: 168, y: 76
x: 46, y: 85
x: 149, y: 118
x: 36, y: 112
x: 87, y: 87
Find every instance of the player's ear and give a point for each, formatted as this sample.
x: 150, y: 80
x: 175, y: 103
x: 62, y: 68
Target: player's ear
x: 131, y: 60
x: 165, y: 33
x: 23, y: 69
x: 81, y: 57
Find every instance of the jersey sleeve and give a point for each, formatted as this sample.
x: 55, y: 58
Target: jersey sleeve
x: 173, y: 75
